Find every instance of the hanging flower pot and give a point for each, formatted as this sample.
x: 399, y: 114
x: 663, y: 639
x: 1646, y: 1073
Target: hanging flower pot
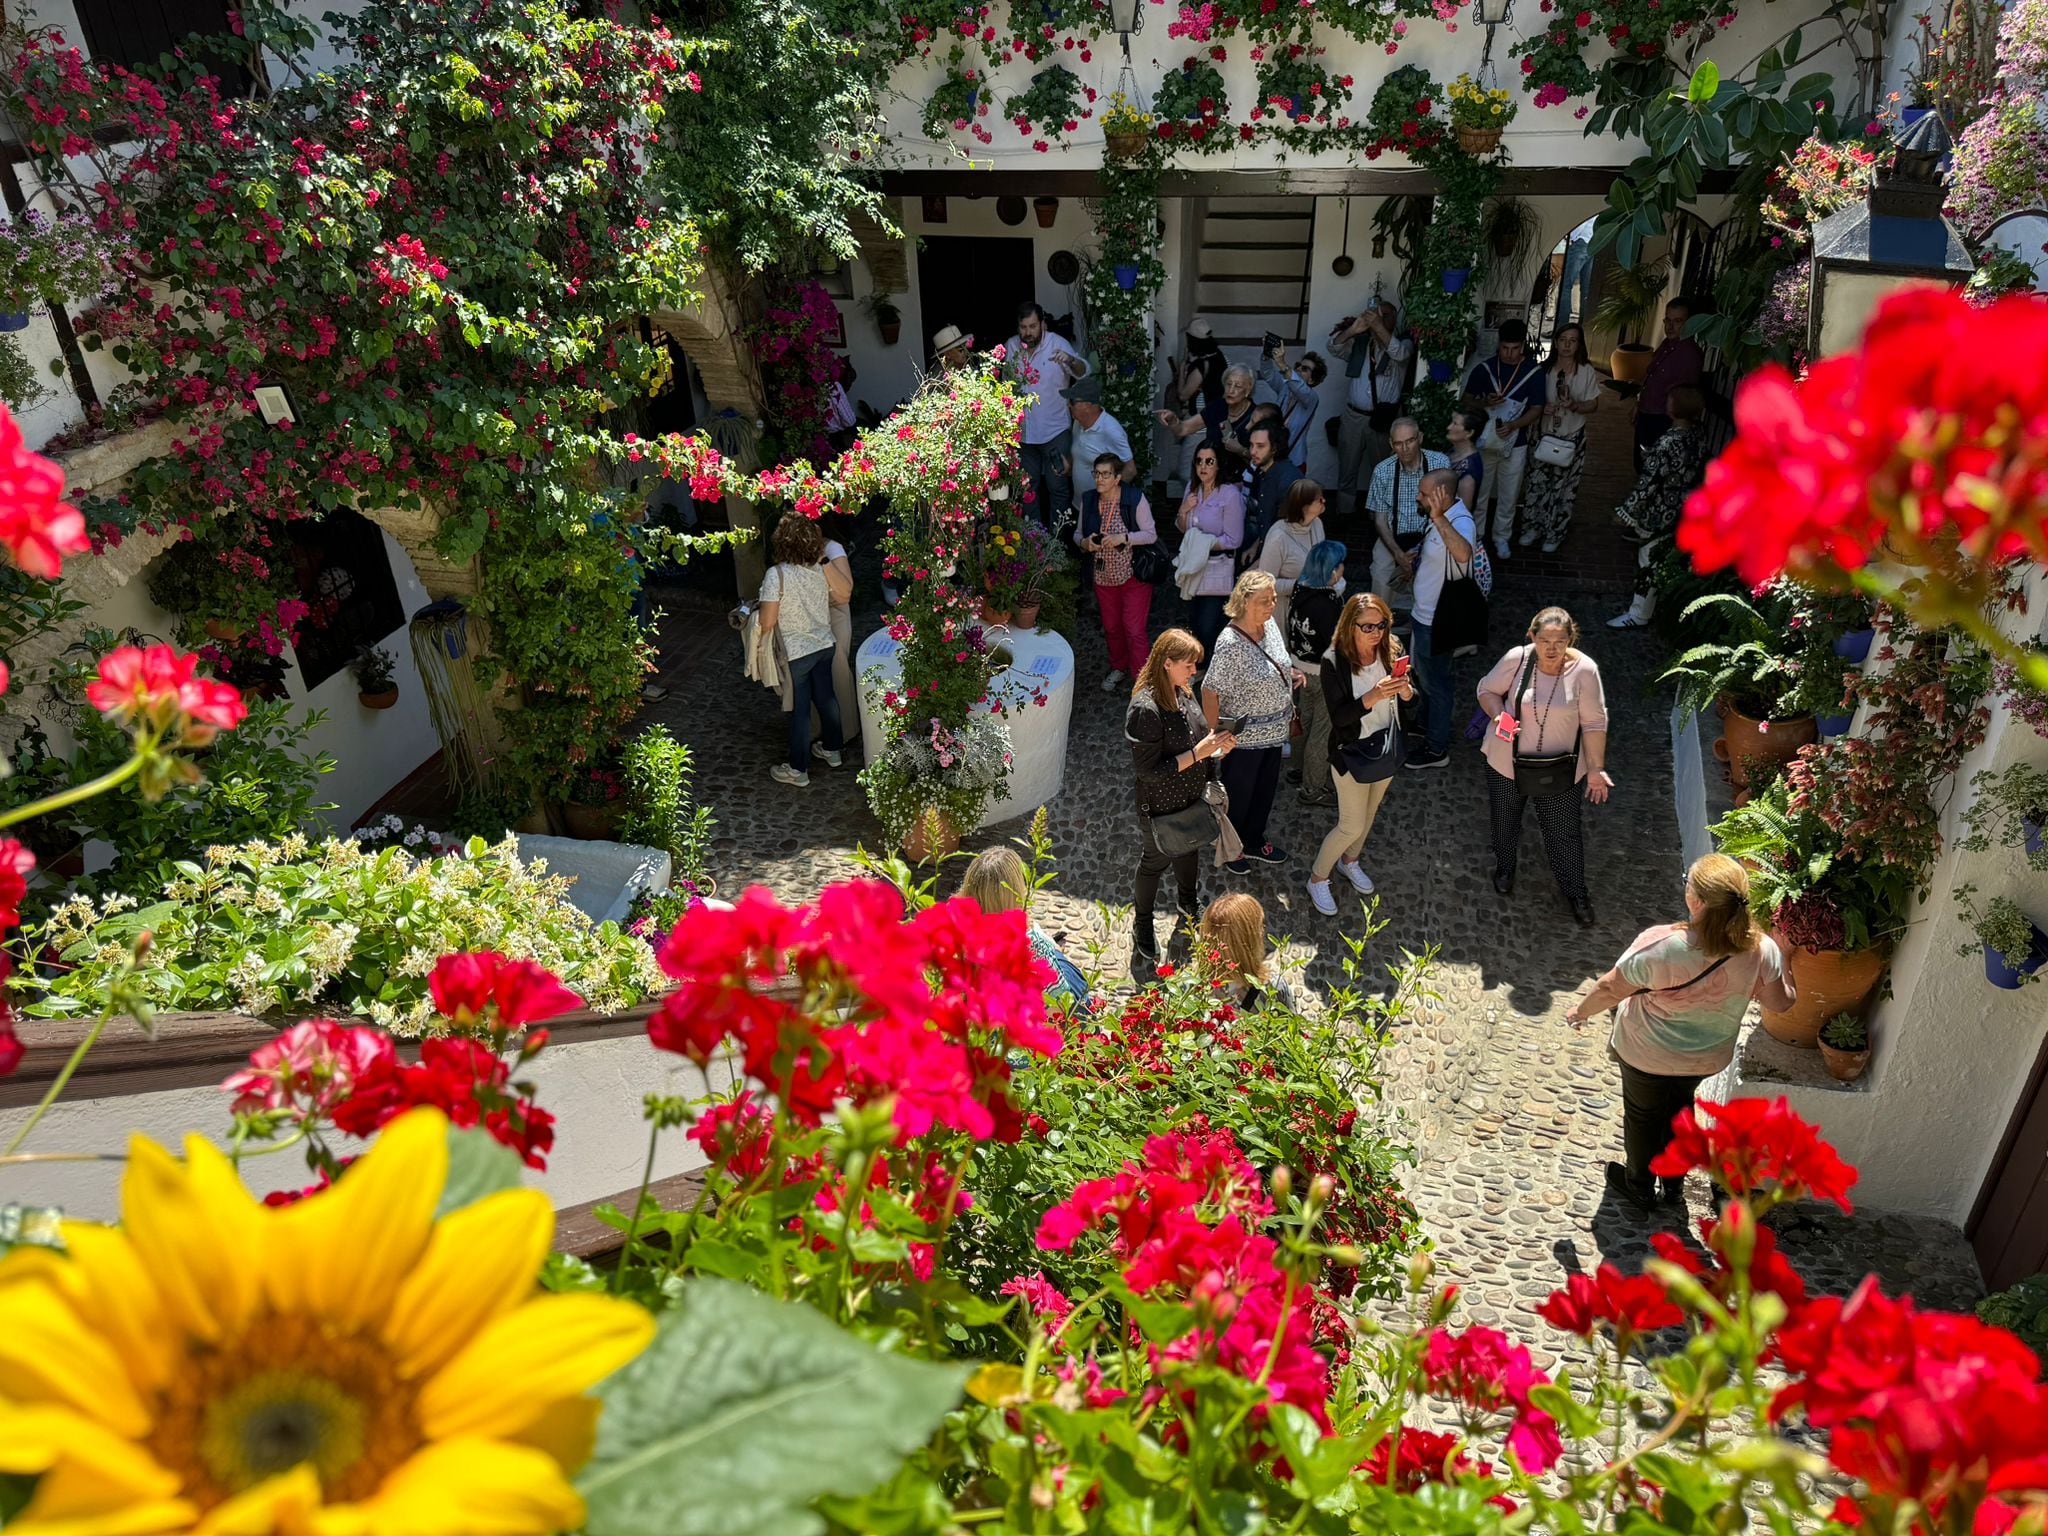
x: 1126, y: 274
x: 1439, y: 371
x: 1047, y: 209
x: 16, y: 321
x: 1455, y: 279
x: 223, y: 629
x: 1124, y: 145
x: 1834, y: 725
x: 892, y: 332
x: 1855, y: 645
x: 1478, y: 141
x: 383, y: 698
x: 1128, y: 370
x: 2006, y: 972
x: 2031, y: 827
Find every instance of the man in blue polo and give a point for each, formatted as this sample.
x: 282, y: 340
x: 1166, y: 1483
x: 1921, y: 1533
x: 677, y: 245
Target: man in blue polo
x: 1509, y: 385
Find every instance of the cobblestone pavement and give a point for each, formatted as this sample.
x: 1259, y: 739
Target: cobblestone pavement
x: 1511, y: 1112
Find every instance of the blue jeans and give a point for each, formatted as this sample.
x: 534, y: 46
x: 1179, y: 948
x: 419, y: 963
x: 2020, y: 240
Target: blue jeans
x: 1435, y: 674
x: 1205, y: 620
x: 1050, y: 468
x: 810, y: 680
x: 1578, y: 273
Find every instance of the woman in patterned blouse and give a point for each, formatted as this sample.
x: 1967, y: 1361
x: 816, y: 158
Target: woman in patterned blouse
x: 1672, y: 470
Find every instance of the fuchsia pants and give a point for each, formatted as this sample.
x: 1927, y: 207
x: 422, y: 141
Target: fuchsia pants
x: 1124, y: 611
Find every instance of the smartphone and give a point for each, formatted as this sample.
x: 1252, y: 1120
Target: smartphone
x: 1270, y: 343
x: 1506, y: 726
x: 1229, y: 725
x: 1401, y: 665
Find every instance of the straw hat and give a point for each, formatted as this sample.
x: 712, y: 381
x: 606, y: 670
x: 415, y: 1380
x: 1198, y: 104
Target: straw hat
x: 949, y: 337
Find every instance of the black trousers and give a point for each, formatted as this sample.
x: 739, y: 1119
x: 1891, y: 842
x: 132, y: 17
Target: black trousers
x: 1558, y: 818
x: 1251, y: 777
x: 1650, y: 1101
x: 1145, y: 899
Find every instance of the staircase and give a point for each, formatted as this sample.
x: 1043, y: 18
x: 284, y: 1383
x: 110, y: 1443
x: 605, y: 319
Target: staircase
x: 1253, y: 269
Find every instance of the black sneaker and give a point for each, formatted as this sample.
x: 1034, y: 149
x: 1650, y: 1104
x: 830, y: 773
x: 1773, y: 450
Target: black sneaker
x: 1619, y: 1183
x: 1239, y: 866
x: 1427, y: 759
x: 1671, y: 1193
x: 1144, y: 967
x: 1294, y: 775
x: 1269, y: 853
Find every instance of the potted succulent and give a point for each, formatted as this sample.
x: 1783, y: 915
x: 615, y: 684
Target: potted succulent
x: 596, y: 803
x: 2014, y: 946
x: 881, y: 307
x: 2009, y: 809
x: 1634, y: 295
x: 376, y: 687
x: 1751, y: 678
x: 1845, y: 1047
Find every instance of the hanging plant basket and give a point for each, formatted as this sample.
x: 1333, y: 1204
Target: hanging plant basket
x: 383, y: 698
x: 1439, y: 371
x: 1127, y: 145
x: 1478, y: 141
x: 1855, y: 645
x: 16, y: 320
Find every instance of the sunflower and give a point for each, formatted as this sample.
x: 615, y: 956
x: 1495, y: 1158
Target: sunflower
x: 344, y: 1366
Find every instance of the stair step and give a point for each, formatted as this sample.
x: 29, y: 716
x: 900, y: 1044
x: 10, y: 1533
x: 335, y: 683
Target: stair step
x: 1251, y: 277
x: 1302, y: 217
x: 1255, y: 245
x: 1244, y: 309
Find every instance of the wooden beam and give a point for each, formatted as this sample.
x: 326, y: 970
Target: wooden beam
x: 578, y: 1230
x: 1309, y: 181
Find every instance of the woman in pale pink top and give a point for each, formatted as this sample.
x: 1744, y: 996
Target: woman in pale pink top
x: 1217, y: 508
x: 1548, y: 737
x: 1679, y: 996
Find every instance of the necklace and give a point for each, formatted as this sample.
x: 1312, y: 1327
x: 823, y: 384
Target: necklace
x: 1543, y: 708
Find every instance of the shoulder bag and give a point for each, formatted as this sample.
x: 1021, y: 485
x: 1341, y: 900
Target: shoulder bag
x: 1369, y: 759
x: 1187, y: 830
x: 1552, y: 773
x: 1461, y: 610
x: 1555, y: 450
x: 1680, y: 986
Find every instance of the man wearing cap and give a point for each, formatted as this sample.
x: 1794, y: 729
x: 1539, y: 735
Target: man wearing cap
x: 951, y: 348
x: 1096, y: 432
x: 1043, y: 364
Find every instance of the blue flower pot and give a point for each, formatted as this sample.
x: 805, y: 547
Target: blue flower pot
x: 1127, y: 370
x: 1834, y: 725
x: 1126, y: 273
x: 1911, y: 115
x: 1455, y: 279
x: 1439, y: 371
x: 18, y: 321
x: 2032, y: 830
x: 1294, y: 107
x: 2000, y: 973
x: 1855, y: 645
x: 973, y: 95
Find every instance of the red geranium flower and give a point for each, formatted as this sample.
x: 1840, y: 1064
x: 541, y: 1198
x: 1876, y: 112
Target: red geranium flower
x: 159, y: 688
x: 475, y: 988
x: 16, y: 865
x: 1756, y: 1146
x: 1483, y: 1369
x: 311, y: 1068
x: 1627, y: 1304
x: 35, y: 524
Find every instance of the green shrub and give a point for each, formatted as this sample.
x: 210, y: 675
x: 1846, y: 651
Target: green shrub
x: 659, y: 811
x: 293, y: 926
x: 2023, y: 1310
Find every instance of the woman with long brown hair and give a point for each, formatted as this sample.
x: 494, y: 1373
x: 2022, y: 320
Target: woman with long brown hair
x: 1558, y: 459
x: 1363, y: 678
x: 1679, y: 995
x: 1173, y: 752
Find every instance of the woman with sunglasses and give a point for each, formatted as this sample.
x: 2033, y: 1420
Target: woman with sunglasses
x: 1364, y: 678
x: 1216, y: 506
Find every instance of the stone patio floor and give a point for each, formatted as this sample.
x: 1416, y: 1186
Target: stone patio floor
x: 1511, y: 1112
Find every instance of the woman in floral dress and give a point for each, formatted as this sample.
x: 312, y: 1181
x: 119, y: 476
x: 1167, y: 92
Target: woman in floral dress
x: 1571, y: 394
x: 1672, y: 470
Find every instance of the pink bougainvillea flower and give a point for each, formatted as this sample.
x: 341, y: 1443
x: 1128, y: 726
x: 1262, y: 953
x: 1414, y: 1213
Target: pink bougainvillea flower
x: 486, y: 987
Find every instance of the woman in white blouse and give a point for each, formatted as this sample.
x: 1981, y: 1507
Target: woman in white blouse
x: 1248, y: 693
x: 1571, y: 393
x: 1287, y: 543
x: 1548, y: 737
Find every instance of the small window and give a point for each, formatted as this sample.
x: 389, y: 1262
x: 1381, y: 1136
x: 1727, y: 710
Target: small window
x: 345, y: 577
x: 136, y: 34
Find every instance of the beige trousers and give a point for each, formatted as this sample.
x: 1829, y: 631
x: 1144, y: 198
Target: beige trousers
x: 1357, y: 805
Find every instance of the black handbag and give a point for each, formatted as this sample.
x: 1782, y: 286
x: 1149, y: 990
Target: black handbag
x: 1461, y: 615
x: 1554, y: 772
x: 1373, y: 758
x: 1187, y: 830
x: 1148, y: 564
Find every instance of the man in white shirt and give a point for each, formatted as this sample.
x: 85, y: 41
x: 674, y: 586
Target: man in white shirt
x: 1043, y: 365
x: 1393, y: 501
x: 1376, y: 374
x: 1449, y: 541
x: 1095, y: 433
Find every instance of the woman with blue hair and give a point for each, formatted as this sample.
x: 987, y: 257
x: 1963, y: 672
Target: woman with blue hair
x: 1311, y: 625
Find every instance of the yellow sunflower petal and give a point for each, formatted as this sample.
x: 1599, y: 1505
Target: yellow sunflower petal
x: 284, y: 1505
x: 476, y: 1487
x: 342, y: 1255
x: 197, y: 1232
x: 50, y: 1355
x: 513, y: 1370
x: 121, y: 1299
x: 93, y: 1482
x: 481, y: 1262
x: 567, y: 1431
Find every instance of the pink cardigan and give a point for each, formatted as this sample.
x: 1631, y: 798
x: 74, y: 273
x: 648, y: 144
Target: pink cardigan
x: 1581, y: 705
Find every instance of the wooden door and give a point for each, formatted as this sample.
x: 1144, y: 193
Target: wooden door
x: 2009, y: 1227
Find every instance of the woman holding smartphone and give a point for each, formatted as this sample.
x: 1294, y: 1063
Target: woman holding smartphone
x: 1174, y: 755
x: 1248, y: 694
x: 1216, y: 506
x: 1116, y: 519
x: 1364, y: 678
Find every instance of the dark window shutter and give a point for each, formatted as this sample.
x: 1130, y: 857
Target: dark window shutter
x: 138, y: 33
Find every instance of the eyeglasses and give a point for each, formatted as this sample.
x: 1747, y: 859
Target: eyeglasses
x: 1369, y: 629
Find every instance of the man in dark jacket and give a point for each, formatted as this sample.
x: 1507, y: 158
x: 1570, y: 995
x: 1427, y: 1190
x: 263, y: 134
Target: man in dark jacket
x: 1266, y: 483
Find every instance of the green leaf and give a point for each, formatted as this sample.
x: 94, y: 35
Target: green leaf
x: 1705, y: 81
x: 478, y: 1165
x: 743, y: 1411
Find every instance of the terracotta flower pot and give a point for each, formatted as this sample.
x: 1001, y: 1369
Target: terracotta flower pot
x: 931, y: 837
x: 1630, y: 363
x: 1047, y: 209
x: 1844, y: 1066
x: 594, y: 823
x: 223, y: 629
x: 1829, y: 981
x: 892, y: 332
x: 383, y: 699
x: 1026, y: 616
x: 1776, y: 741
x: 991, y: 615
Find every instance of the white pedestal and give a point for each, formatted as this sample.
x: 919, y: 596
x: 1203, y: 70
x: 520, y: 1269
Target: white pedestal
x: 1042, y: 669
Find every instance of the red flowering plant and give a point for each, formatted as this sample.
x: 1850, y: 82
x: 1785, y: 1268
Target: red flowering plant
x: 1898, y: 467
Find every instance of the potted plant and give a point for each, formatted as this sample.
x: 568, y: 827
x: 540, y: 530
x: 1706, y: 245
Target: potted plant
x: 1634, y: 295
x: 2009, y: 809
x: 1000, y: 566
x: 376, y: 687
x: 1845, y: 1047
x: 1047, y: 209
x: 931, y: 786
x: 956, y: 104
x: 596, y: 804
x: 47, y: 261
x: 881, y: 307
x: 1125, y: 129
x: 1192, y: 100
x: 2014, y: 946
x: 1044, y: 560
x: 2028, y: 704
x: 1750, y: 678
x: 1479, y: 115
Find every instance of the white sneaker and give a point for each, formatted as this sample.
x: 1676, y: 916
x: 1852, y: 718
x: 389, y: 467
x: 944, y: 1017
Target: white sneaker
x: 1356, y: 876
x: 782, y: 773
x: 1319, y: 893
x: 1528, y: 537
x: 1552, y: 546
x: 1500, y: 548
x: 830, y: 759
x: 1111, y: 682
x: 1625, y: 621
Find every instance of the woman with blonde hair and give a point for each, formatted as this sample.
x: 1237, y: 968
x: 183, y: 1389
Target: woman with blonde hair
x: 1363, y: 680
x: 1234, y: 952
x: 1679, y: 995
x: 1174, y: 755
x: 1249, y: 688
x: 997, y: 881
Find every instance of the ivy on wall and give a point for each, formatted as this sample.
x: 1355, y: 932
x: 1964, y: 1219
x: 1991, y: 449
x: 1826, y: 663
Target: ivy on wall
x: 1121, y: 287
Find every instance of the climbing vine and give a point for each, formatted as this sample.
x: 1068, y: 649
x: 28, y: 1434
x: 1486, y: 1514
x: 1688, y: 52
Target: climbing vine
x: 1120, y: 288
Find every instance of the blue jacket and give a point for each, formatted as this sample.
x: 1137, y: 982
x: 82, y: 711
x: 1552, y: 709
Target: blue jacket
x: 1091, y: 512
